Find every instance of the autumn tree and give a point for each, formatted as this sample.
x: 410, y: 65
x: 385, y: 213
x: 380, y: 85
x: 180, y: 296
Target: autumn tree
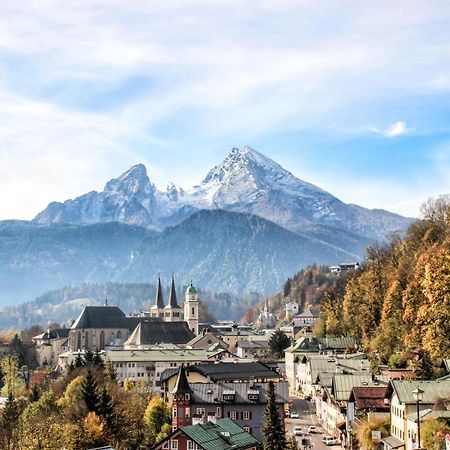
x: 157, y: 414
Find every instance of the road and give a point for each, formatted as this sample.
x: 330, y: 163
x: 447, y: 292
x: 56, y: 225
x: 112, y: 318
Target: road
x: 306, y: 417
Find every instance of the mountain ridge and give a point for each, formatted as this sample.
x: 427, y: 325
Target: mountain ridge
x: 246, y: 181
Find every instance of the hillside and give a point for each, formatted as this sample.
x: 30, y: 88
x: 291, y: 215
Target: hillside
x: 229, y: 252
x: 400, y: 300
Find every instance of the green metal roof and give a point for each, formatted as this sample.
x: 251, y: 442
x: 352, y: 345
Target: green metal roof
x: 223, y: 435
x: 432, y: 390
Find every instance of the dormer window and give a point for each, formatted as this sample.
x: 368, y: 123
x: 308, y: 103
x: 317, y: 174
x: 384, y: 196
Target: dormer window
x: 187, y: 397
x: 228, y: 396
x: 253, y: 395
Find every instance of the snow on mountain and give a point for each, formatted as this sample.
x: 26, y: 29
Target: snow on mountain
x: 246, y: 181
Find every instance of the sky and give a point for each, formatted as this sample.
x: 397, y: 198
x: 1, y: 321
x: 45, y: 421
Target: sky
x: 353, y: 96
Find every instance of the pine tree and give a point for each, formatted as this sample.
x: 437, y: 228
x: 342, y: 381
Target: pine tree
x: 8, y: 422
x: 106, y: 410
x: 78, y: 362
x: 111, y: 373
x: 279, y: 342
x: 89, y: 357
x: 97, y: 359
x: 272, y: 430
x: 89, y: 392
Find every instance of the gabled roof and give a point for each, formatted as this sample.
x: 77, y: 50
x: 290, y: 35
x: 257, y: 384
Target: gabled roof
x: 235, y: 371
x: 211, y: 393
x: 432, y: 390
x: 101, y: 317
x: 151, y: 332
x: 223, y: 435
x: 369, y: 397
x: 344, y: 383
x: 59, y: 333
x: 182, y: 384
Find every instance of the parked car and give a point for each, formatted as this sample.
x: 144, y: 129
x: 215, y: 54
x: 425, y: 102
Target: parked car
x: 298, y: 431
x: 329, y: 440
x: 312, y: 429
x: 294, y: 415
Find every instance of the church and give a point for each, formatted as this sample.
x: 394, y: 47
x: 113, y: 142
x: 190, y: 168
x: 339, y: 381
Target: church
x: 172, y: 312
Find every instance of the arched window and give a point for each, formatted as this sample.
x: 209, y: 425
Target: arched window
x: 79, y: 340
x: 119, y: 335
x: 86, y: 340
x: 102, y: 340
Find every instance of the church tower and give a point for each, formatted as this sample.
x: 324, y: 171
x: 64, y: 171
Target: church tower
x: 181, y: 405
x: 172, y: 312
x: 157, y: 310
x: 191, y: 308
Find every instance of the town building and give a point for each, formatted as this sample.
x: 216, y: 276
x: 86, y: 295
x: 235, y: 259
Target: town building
x: 403, y: 409
x: 222, y: 434
x: 244, y: 402
x: 50, y: 344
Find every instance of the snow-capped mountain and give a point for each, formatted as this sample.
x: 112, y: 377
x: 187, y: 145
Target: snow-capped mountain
x: 246, y: 181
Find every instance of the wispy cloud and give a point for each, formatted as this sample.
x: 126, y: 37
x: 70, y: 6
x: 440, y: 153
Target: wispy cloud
x: 98, y: 85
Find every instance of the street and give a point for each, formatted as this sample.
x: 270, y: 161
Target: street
x: 304, y: 409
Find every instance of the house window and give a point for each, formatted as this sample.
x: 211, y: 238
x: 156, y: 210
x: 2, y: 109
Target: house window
x: 174, y: 444
x: 218, y: 412
x: 190, y: 445
x: 166, y: 444
x: 247, y: 429
x: 174, y: 412
x: 193, y: 311
x: 232, y: 415
x: 201, y: 411
x: 246, y: 415
x: 187, y: 412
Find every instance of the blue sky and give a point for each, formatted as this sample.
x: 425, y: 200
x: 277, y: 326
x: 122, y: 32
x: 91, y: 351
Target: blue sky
x: 353, y: 96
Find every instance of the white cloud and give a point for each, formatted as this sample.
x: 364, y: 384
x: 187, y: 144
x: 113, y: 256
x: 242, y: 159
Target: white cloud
x: 396, y: 129
x: 213, y: 72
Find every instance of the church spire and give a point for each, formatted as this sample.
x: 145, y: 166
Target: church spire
x: 173, y: 295
x: 159, y: 295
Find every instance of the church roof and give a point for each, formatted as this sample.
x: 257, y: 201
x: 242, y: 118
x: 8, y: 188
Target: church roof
x: 173, y: 296
x: 101, y: 317
x: 156, y: 332
x: 159, y: 295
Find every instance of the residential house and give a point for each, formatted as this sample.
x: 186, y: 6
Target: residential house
x: 222, y: 434
x: 206, y: 339
x: 243, y: 402
x: 403, y: 407
x: 226, y: 372
x: 50, y: 344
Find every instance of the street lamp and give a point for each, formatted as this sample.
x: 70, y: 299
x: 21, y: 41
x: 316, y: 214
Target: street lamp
x: 418, y: 395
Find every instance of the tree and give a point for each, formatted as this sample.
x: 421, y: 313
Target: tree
x: 97, y: 359
x: 292, y: 444
x: 272, y: 429
x: 89, y: 392
x: 433, y: 433
x: 89, y: 357
x: 156, y: 415
x: 8, y: 422
x: 279, y: 342
x: 107, y: 412
x: 78, y: 362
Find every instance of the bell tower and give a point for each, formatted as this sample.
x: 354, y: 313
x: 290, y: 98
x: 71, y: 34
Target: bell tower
x: 181, y: 405
x: 191, y: 308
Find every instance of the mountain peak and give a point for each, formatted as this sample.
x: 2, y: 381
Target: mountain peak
x: 135, y: 180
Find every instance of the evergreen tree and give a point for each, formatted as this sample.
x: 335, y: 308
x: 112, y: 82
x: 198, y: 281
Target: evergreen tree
x: 8, y: 422
x: 106, y: 410
x: 78, y: 362
x: 272, y: 430
x: 279, y: 342
x: 89, y: 357
x: 89, y: 392
x: 97, y: 359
